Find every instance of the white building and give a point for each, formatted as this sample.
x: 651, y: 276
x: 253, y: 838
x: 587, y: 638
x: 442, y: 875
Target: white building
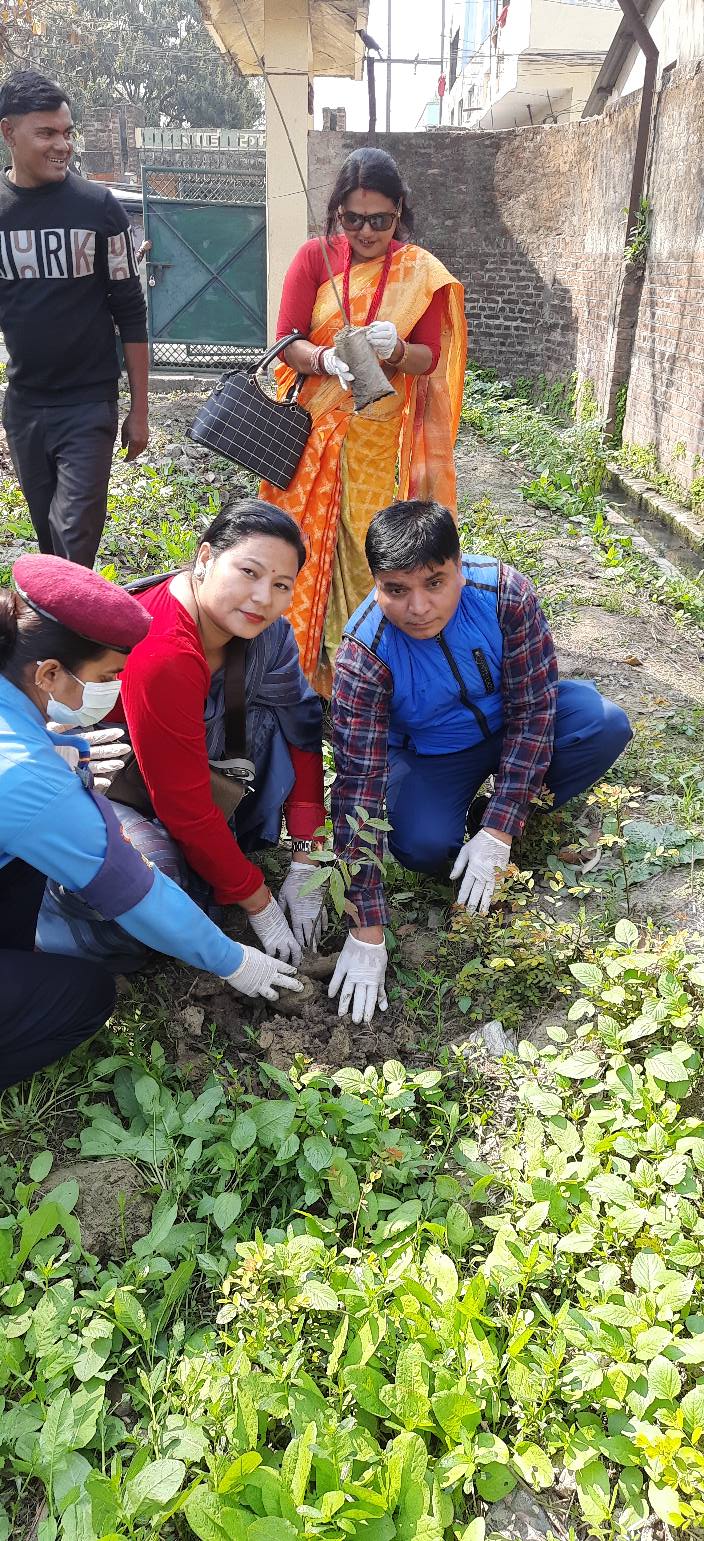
x: 677, y: 29
x: 525, y: 61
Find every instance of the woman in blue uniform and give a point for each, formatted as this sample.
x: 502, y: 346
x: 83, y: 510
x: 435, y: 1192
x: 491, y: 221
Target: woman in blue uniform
x: 64, y: 636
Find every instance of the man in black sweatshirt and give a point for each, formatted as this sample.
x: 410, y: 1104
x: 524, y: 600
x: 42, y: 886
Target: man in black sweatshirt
x: 68, y: 277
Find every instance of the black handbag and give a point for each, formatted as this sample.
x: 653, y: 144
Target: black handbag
x: 239, y: 420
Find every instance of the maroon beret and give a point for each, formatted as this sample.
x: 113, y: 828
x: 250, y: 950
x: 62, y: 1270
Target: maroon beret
x: 81, y: 600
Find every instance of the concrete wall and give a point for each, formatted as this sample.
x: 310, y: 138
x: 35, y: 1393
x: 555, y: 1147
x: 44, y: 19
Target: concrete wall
x: 677, y: 27
x: 532, y: 222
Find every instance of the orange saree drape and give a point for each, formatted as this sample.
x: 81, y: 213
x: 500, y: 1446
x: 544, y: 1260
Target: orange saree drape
x: 356, y: 463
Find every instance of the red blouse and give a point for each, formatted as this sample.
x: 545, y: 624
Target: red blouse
x: 305, y: 276
x: 165, y: 686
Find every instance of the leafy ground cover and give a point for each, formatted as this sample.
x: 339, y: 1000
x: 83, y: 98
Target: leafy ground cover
x: 265, y: 1278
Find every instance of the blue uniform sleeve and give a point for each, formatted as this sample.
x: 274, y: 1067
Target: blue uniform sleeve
x: 57, y: 828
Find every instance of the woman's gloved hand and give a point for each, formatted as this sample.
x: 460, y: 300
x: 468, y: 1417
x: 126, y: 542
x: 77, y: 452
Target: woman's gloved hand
x: 275, y: 934
x: 308, y: 919
x: 108, y: 751
x: 337, y: 366
x: 361, y: 971
x: 478, y: 863
x: 261, y: 975
x: 383, y: 337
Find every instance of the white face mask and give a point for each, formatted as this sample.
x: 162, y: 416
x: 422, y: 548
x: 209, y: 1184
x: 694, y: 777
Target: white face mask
x: 98, y: 699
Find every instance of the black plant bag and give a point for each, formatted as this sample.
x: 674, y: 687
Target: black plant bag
x: 239, y: 420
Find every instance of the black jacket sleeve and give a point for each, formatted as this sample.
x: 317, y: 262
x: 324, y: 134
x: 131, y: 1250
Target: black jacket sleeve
x: 125, y: 296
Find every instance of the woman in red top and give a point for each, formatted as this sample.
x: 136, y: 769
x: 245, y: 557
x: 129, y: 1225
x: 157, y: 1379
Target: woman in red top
x: 413, y: 312
x: 240, y: 584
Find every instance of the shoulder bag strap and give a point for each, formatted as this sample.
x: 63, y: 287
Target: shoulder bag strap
x: 235, y: 701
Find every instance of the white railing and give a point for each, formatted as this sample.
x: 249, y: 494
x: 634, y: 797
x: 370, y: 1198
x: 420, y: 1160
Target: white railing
x: 200, y: 138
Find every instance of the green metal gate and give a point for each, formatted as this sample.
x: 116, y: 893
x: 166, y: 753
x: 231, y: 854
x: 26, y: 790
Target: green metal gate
x: 206, y: 289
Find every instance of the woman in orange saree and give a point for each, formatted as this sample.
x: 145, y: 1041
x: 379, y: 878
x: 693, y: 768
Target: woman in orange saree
x: 402, y: 446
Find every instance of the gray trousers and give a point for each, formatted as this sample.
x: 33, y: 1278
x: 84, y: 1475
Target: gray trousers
x: 62, y: 458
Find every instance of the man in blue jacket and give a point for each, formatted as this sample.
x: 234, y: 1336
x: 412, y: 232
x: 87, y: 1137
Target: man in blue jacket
x: 68, y: 277
x: 446, y: 675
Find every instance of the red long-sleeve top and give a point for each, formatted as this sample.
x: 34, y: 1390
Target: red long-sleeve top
x: 308, y: 271
x: 165, y: 686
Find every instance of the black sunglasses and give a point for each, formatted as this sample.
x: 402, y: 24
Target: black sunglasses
x: 356, y: 222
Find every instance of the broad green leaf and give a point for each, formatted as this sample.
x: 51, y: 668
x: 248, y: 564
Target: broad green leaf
x: 338, y: 1348
x: 105, y: 1503
x: 458, y: 1227
x: 665, y: 1501
x: 692, y: 1406
x: 663, y: 1379
x: 474, y: 1531
x: 56, y: 1437
x: 439, y: 1274
x: 273, y: 1120
x: 587, y: 974
x: 153, y: 1487
x: 238, y: 1471
x: 318, y: 1296
x: 407, y: 1400
x: 202, y: 1110
x: 296, y: 1464
x: 226, y: 1208
x: 648, y: 1271
x: 183, y: 1441
x: 455, y: 1410
x: 86, y: 1406
x: 533, y: 1465
x: 129, y: 1313
x: 163, y: 1221
x: 666, y: 1066
x: 626, y: 933
x: 593, y: 1490
x: 319, y: 1152
x: 342, y: 1182
x: 41, y: 1166
x: 493, y: 1482
x: 212, y: 1520
x: 77, y: 1521
x: 44, y: 1221
x: 272, y: 1529
x: 243, y: 1133
x: 578, y: 1067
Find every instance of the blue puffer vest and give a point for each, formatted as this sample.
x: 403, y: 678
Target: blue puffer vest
x: 447, y: 690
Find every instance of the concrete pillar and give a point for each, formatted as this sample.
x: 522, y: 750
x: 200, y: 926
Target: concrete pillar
x: 286, y: 55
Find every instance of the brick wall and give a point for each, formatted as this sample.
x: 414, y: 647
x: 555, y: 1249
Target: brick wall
x: 109, y: 139
x: 532, y: 222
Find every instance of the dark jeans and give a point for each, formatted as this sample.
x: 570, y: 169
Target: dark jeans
x: 428, y: 796
x: 48, y: 1004
x: 62, y: 458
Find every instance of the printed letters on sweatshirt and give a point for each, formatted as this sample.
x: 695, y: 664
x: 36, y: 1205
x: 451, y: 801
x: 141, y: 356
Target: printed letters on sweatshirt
x: 63, y: 254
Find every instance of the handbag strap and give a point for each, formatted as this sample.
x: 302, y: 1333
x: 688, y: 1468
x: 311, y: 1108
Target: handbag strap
x: 235, y: 701
x: 273, y: 352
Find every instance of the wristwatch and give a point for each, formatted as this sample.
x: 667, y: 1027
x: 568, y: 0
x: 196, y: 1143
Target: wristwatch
x: 302, y: 845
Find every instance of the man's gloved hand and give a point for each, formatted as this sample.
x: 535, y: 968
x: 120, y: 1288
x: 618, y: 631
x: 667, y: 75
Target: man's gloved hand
x: 305, y: 911
x: 383, y: 337
x: 259, y: 974
x: 275, y: 934
x: 478, y: 863
x: 108, y: 751
x: 360, y: 970
x: 337, y: 366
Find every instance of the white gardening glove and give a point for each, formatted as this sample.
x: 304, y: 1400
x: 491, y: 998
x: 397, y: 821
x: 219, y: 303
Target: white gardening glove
x: 69, y: 754
x: 108, y: 751
x: 337, y: 366
x: 383, y: 337
x: 275, y: 934
x: 478, y: 863
x: 361, y: 970
x: 258, y: 974
x: 305, y: 911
